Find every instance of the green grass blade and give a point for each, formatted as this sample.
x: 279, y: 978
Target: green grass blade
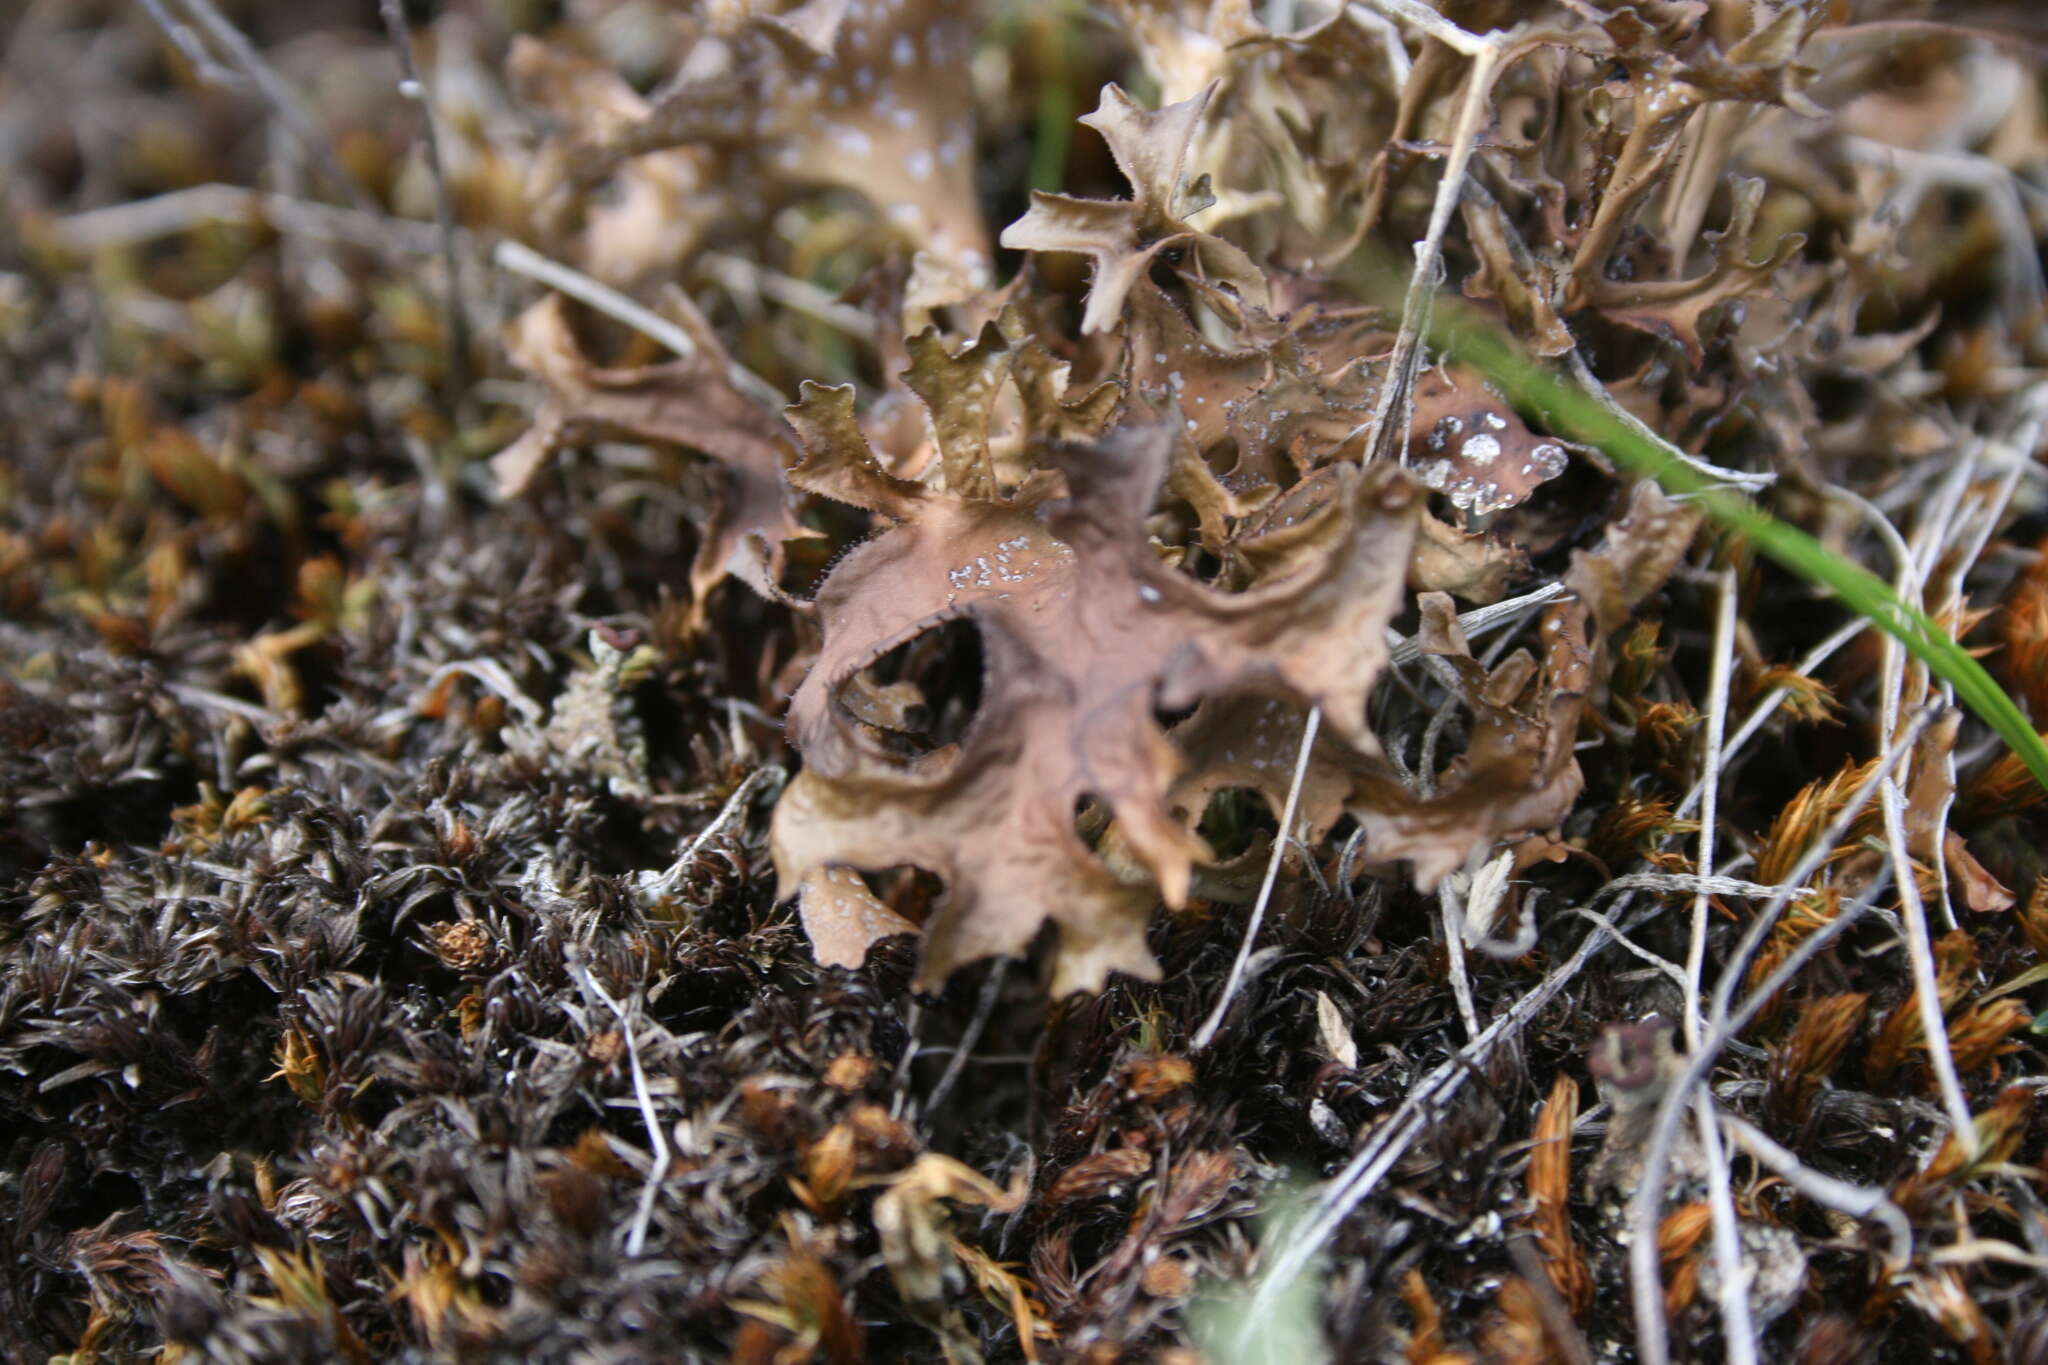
x: 1580, y: 417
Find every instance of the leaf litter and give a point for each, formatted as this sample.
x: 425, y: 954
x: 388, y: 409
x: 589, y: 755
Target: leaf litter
x: 414, y: 949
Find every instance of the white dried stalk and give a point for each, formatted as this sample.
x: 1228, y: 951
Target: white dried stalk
x: 1582, y: 374
x: 1407, y: 649
x: 1738, y: 1326
x: 1207, y: 1033
x: 143, y: 220
x: 1926, y: 989
x: 1646, y: 1291
x: 1855, y: 1201
x: 1390, y: 411
x: 1717, y: 726
x: 1454, y: 951
x: 657, y: 1171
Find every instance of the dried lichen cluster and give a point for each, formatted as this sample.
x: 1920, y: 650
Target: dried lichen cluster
x: 462, y: 813
x: 1220, y: 424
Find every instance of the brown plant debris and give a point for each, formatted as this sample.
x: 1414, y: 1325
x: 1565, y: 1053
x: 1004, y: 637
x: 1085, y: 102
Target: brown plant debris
x: 654, y: 664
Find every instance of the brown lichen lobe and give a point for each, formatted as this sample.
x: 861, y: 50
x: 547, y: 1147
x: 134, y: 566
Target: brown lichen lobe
x: 1085, y: 635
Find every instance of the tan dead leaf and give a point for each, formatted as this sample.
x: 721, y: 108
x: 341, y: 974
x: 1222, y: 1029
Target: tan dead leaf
x: 959, y: 390
x: 1271, y: 397
x: 1762, y: 66
x: 1183, y: 43
x: 1295, y: 114
x: 1475, y: 568
x: 1525, y: 286
x: 1252, y: 742
x: 1281, y: 537
x: 690, y: 403
x: 1517, y: 774
x: 1334, y: 1033
x: 1929, y: 795
x: 1218, y: 504
x: 874, y: 99
x: 842, y: 918
x: 1085, y: 635
x: 1981, y: 891
x: 912, y: 1222
x: 1637, y: 558
x: 1123, y: 237
x: 1166, y: 359
x: 1042, y: 390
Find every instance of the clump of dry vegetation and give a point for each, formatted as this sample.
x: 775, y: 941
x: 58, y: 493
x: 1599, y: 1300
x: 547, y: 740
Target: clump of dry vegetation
x: 802, y: 682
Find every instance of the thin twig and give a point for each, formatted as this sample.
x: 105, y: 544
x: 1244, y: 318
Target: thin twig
x: 1382, y: 28
x: 654, y: 885
x: 290, y: 109
x: 991, y: 991
x: 1407, y: 648
x: 1434, y: 24
x: 1908, y: 583
x: 1691, y: 884
x: 1564, y: 1330
x: 522, y: 259
x: 1963, y: 170
x: 1926, y: 989
x: 1396, y: 392
x: 455, y: 301
x: 193, y: 49
x: 1583, y: 375
x: 799, y: 296
x: 143, y: 220
x: 1657, y: 961
x: 1207, y: 1033
x: 1454, y: 953
x: 636, y: 1237
x: 1763, y: 710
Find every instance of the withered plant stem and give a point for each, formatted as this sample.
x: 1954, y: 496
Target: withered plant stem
x: 455, y: 300
x: 1645, y: 1209
x: 1731, y: 1294
x: 1926, y: 988
x: 1761, y: 713
x: 1406, y: 649
x: 1207, y: 1033
x: 521, y: 259
x: 1564, y: 1331
x: 629, y: 1027
x: 1389, y: 423
x: 1856, y: 1201
x: 1453, y: 920
x: 1710, y: 800
x: 984, y: 1010
x: 142, y: 220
